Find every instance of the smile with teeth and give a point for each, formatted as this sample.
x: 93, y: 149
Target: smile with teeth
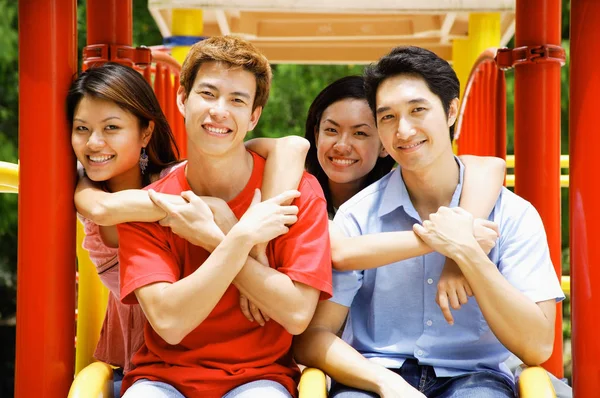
x: 100, y: 158
x: 342, y: 162
x: 416, y: 144
x: 215, y: 130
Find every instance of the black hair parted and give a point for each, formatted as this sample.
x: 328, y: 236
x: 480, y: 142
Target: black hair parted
x: 435, y: 71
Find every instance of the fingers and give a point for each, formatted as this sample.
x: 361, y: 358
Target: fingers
x: 442, y: 300
x: 244, y: 306
x: 257, y: 197
x: 190, y: 196
x: 256, y: 314
x: 461, y: 296
x: 284, y: 197
x: 289, y: 220
x: 290, y: 210
x: 453, y: 299
x: 157, y: 199
x: 468, y: 290
x: 419, y: 229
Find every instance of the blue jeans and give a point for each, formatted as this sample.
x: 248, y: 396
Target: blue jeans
x: 423, y: 378
x: 145, y: 388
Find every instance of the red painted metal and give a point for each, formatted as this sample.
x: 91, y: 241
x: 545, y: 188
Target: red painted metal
x: 510, y: 57
x: 584, y: 196
x: 109, y: 22
x: 46, y: 252
x: 481, y: 128
x: 537, y: 132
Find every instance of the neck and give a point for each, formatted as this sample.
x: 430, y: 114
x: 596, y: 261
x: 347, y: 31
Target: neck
x: 433, y: 186
x: 341, y: 192
x: 223, y: 176
x: 131, y: 179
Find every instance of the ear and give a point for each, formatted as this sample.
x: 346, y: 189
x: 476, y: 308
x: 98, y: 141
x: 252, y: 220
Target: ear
x: 453, y: 112
x: 383, y: 152
x: 181, y: 98
x: 254, y: 118
x: 147, y: 134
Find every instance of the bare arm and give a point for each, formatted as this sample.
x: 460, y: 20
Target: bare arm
x: 484, y: 177
x: 106, y: 208
x: 285, y: 162
x: 320, y: 347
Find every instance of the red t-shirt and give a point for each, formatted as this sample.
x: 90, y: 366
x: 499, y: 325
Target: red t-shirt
x: 225, y: 350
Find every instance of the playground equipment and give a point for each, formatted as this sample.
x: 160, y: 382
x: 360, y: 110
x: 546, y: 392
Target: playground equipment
x: 46, y: 274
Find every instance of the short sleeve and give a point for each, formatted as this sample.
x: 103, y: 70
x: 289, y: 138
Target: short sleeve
x: 524, y: 258
x: 304, y: 252
x: 346, y: 283
x: 145, y: 257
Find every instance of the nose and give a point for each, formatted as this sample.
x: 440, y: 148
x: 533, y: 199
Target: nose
x: 95, y: 141
x: 343, y: 146
x: 218, y: 111
x: 406, y: 130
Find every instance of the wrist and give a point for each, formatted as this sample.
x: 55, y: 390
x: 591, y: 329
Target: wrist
x: 468, y: 253
x: 241, y: 237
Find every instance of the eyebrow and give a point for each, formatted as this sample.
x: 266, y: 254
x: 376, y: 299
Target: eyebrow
x: 235, y: 93
x: 101, y: 121
x: 338, y: 125
x: 410, y: 102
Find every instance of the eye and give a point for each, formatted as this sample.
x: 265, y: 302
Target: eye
x: 207, y: 93
x: 112, y: 127
x: 361, y: 133
x: 81, y: 129
x: 239, y: 101
x: 419, y: 109
x: 386, y: 117
x: 330, y: 130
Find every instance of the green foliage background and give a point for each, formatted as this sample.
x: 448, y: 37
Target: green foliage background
x: 294, y: 87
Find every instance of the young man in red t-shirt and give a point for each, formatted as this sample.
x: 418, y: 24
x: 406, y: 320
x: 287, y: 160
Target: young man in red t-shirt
x: 198, y: 342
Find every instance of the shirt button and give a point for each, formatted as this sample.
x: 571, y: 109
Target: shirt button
x: 430, y: 281
x: 419, y: 353
x: 429, y: 322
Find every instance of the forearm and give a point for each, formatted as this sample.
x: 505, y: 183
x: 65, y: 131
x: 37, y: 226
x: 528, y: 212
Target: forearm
x: 483, y: 181
x: 174, y: 310
x: 284, y: 166
x: 322, y: 349
x: 518, y: 322
x: 105, y: 208
x: 289, y: 303
x: 375, y: 250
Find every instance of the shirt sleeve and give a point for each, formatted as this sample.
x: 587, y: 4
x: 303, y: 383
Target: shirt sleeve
x: 346, y: 283
x: 145, y: 257
x: 524, y: 258
x: 304, y: 252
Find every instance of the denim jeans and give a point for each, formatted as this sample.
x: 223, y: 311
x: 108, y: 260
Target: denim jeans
x: 423, y: 378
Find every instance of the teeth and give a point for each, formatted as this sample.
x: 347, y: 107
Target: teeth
x: 412, y: 146
x: 99, y: 159
x: 216, y: 130
x: 343, y: 162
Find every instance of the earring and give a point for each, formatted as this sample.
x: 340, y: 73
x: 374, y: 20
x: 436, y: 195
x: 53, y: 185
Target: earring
x: 143, y: 160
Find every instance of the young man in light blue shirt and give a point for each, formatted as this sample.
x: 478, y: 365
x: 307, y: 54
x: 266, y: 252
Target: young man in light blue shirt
x: 396, y: 342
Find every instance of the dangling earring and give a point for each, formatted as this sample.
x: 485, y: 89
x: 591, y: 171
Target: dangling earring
x: 143, y: 160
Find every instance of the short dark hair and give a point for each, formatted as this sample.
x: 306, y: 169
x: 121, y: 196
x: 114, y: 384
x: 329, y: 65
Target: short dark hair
x: 436, y: 72
x: 344, y: 88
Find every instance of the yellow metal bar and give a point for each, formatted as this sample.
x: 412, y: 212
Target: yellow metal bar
x: 313, y: 384
x: 510, y: 180
x: 96, y: 380
x: 91, y: 306
x: 564, y: 161
x: 535, y: 383
x: 9, y: 177
x: 185, y: 22
x: 484, y: 32
x: 565, y: 283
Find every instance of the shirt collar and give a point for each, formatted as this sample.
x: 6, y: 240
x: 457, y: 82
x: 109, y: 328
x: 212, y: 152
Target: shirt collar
x: 396, y: 194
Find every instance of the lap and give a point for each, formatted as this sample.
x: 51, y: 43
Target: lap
x: 473, y: 385
x: 145, y: 388
x: 259, y: 388
x: 339, y: 390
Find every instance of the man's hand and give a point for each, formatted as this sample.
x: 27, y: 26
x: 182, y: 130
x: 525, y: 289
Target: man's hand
x: 192, y: 221
x: 453, y: 290
x: 486, y: 233
x: 392, y: 385
x: 447, y: 231
x: 267, y: 220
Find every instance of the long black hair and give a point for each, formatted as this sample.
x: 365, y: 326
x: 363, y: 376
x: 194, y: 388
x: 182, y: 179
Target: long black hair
x: 344, y: 88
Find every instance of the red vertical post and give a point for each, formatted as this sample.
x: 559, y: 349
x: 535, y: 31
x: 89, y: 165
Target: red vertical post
x: 109, y: 22
x: 46, y: 252
x: 584, y: 196
x: 537, y: 133
x: 500, y: 114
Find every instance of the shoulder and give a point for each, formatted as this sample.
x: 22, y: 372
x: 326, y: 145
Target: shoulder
x: 368, y: 197
x: 516, y: 217
x: 174, y: 181
x: 309, y: 187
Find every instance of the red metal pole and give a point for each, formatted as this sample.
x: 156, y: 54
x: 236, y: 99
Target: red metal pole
x: 537, y: 133
x: 584, y: 196
x: 109, y: 22
x: 46, y: 252
x: 500, y: 114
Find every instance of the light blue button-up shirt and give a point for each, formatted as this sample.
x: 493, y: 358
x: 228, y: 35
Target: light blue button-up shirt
x: 393, y: 315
